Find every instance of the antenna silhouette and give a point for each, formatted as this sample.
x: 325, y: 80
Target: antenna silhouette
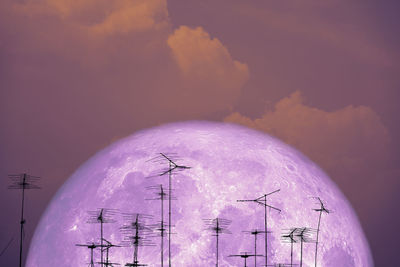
x: 172, y: 167
x: 161, y: 196
x: 101, y: 216
x: 321, y: 210
x: 255, y: 233
x: 107, y: 247
x: 22, y: 181
x: 91, y: 247
x: 263, y: 202
x: 218, y: 226
x: 136, y: 232
x: 290, y: 237
x: 304, y: 235
x: 244, y: 256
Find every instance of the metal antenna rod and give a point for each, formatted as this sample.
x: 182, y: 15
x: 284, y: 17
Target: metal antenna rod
x: 22, y: 181
x: 263, y: 202
x: 320, y: 210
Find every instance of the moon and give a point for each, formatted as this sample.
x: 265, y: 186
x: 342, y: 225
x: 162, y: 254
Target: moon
x: 227, y: 163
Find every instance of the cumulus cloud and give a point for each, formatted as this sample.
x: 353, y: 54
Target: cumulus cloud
x: 352, y: 144
x: 208, y: 69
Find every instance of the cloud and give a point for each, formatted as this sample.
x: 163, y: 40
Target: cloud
x: 207, y: 68
x: 104, y: 17
x: 352, y: 144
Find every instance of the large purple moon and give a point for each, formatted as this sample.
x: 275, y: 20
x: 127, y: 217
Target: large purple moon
x: 228, y: 163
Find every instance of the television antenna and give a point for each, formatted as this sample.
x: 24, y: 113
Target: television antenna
x: 262, y: 200
x: 218, y: 226
x: 290, y: 237
x: 22, y: 181
x: 101, y: 216
x: 172, y: 167
x: 321, y: 210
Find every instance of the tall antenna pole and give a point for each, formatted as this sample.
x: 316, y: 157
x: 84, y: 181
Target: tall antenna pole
x: 172, y: 166
x: 263, y: 202
x: 320, y: 210
x: 161, y: 193
x: 22, y: 181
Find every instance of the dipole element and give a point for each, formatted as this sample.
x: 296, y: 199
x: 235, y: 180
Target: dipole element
x: 244, y: 256
x: 263, y: 202
x: 22, y: 181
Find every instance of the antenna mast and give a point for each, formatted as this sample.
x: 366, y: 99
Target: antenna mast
x: 22, y: 181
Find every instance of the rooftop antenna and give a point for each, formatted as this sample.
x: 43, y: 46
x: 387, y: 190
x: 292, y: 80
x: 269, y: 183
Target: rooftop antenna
x: 22, y: 181
x: 136, y: 232
x: 321, y: 210
x: 304, y: 235
x: 101, y: 216
x: 244, y: 256
x: 263, y: 202
x: 107, y: 247
x: 91, y: 247
x: 255, y: 233
x: 160, y: 196
x: 289, y: 237
x: 172, y: 167
x: 218, y: 226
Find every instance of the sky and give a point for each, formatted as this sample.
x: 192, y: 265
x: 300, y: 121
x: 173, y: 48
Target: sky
x: 323, y: 76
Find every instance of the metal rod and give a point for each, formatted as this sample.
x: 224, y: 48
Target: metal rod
x: 22, y: 222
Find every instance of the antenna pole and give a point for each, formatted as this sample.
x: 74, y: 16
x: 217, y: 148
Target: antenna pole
x: 169, y: 214
x: 265, y: 230
x: 22, y: 222
x: 162, y: 226
x: 217, y: 238
x: 101, y: 241
x: 316, y: 243
x: 255, y: 250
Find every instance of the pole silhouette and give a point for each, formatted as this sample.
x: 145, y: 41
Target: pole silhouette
x: 22, y: 181
x: 321, y: 210
x: 172, y: 167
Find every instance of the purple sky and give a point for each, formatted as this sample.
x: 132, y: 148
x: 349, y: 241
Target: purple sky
x: 322, y: 76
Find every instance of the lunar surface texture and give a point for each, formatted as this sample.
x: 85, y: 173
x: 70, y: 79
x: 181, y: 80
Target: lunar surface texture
x: 225, y: 163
